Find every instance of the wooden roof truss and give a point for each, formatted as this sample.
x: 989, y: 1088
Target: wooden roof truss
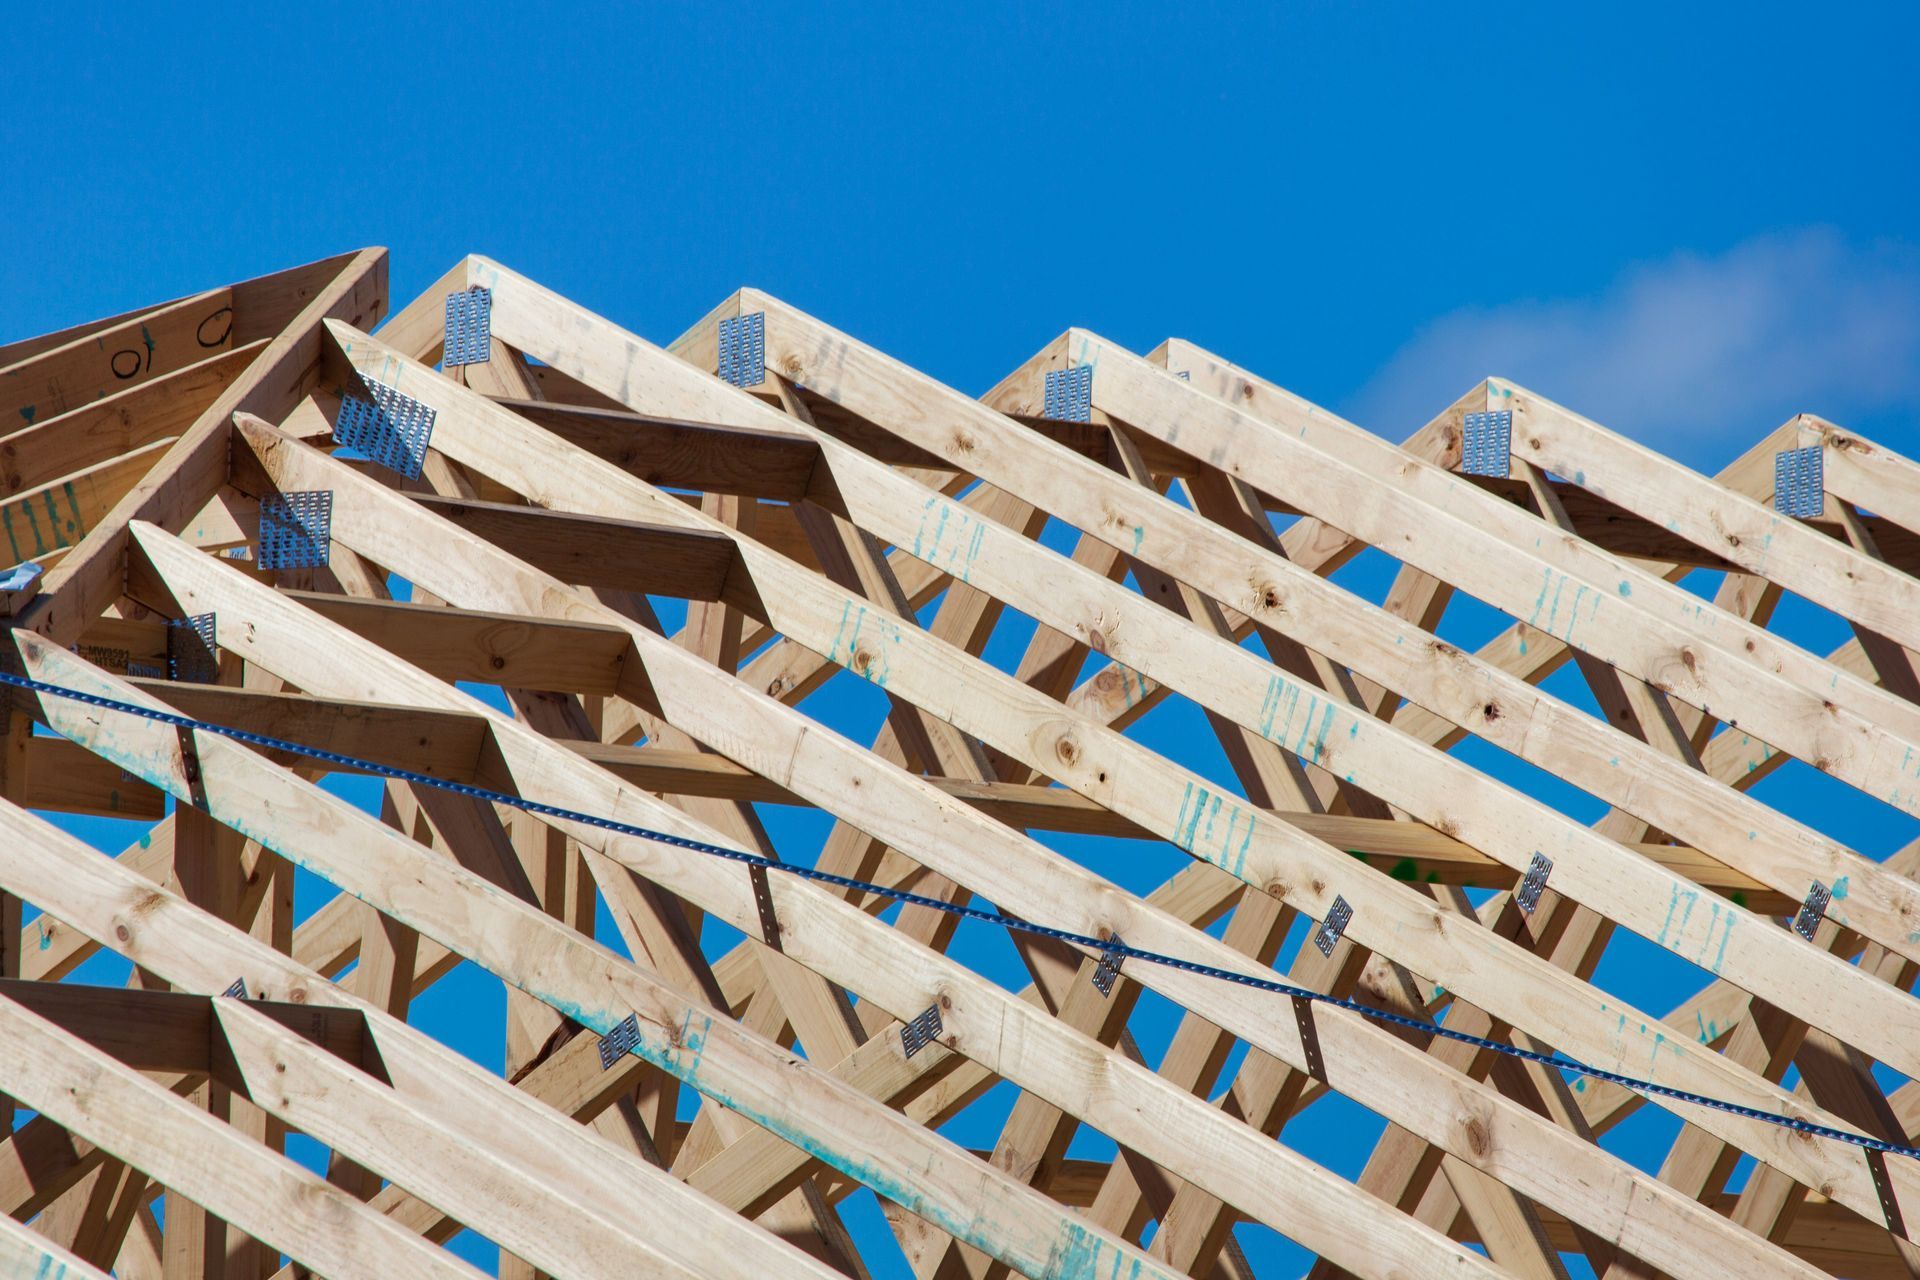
x: 1138, y: 532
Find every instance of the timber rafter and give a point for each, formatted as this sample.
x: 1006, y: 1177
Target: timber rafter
x: 633, y: 642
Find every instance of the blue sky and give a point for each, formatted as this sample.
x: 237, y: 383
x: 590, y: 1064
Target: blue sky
x: 1688, y: 222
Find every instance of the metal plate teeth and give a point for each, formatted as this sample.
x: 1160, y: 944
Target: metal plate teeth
x: 1069, y: 395
x: 391, y: 428
x: 1799, y: 482
x: 922, y: 1031
x: 1806, y: 922
x: 1329, y: 933
x: 743, y: 349
x: 1489, y: 444
x: 1327, y: 936
x: 619, y: 1042
x: 1528, y: 895
x: 1108, y: 970
x: 238, y: 991
x: 469, y: 327
x: 193, y: 650
x: 296, y: 529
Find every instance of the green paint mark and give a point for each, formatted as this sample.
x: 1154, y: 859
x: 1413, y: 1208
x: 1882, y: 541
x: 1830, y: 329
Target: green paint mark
x: 27, y: 413
x: 1739, y: 897
x: 77, y: 527
x: 1405, y: 869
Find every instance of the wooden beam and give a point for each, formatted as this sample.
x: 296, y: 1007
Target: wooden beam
x: 93, y: 576
x: 553, y: 963
x: 449, y: 1094
x: 690, y: 455
x: 95, y: 433
x: 364, y: 515
x: 264, y: 1194
x: 616, y: 359
x: 171, y: 1031
x: 594, y: 551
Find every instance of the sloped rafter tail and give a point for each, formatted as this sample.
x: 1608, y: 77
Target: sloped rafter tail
x: 593, y: 619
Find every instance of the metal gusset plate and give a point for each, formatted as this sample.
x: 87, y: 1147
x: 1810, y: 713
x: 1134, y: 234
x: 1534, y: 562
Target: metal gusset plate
x: 469, y: 327
x: 296, y: 529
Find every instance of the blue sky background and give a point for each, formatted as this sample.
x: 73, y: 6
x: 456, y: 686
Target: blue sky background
x: 1688, y: 222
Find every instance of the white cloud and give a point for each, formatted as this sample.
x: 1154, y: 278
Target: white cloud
x: 1700, y: 356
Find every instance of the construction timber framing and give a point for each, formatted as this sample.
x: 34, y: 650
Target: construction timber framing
x: 553, y: 575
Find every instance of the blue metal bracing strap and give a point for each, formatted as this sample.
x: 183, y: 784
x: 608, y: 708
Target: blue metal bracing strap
x: 1799, y: 482
x: 1106, y: 947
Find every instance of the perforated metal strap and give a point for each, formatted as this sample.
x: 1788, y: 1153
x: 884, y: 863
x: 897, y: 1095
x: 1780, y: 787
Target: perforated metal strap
x: 619, y: 1042
x: 1069, y: 394
x: 469, y: 327
x: 763, y: 902
x: 1799, y: 482
x: 1806, y: 922
x: 1489, y: 444
x: 1327, y: 936
x: 296, y: 529
x: 1531, y: 885
x: 193, y: 650
x: 925, y: 1028
x: 390, y: 427
x: 743, y: 349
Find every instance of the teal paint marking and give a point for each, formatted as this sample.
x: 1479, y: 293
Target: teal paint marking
x: 962, y: 548
x: 1625, y: 588
x: 1573, y: 615
x: 1540, y: 601
x: 33, y: 527
x: 27, y: 413
x: 1580, y: 478
x: 1320, y: 738
x: 878, y: 667
x: 148, y: 339
x: 46, y: 939
x: 1720, y: 957
x: 1199, y: 818
x: 1840, y: 888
